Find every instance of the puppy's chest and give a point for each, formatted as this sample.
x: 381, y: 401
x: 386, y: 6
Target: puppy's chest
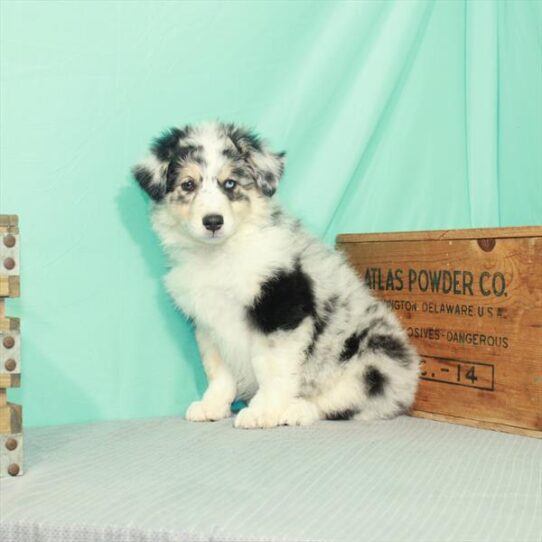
x: 216, y: 295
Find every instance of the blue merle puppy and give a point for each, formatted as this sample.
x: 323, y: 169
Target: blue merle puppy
x: 281, y: 320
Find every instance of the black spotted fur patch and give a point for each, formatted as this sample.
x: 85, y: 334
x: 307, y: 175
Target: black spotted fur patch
x: 285, y: 300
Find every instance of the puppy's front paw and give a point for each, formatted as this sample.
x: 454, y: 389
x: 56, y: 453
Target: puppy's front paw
x: 207, y: 411
x: 254, y: 418
x: 300, y: 412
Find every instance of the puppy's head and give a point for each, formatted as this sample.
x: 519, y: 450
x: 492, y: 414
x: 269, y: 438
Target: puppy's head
x: 212, y: 177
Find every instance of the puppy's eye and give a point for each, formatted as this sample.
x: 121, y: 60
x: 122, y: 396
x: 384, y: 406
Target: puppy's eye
x: 230, y: 184
x: 188, y: 186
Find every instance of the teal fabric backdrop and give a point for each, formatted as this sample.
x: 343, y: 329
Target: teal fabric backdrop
x: 396, y: 115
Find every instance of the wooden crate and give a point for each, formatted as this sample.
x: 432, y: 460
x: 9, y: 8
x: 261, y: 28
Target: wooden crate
x: 471, y: 301
x: 11, y: 437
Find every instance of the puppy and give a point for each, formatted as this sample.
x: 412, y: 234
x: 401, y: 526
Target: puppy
x: 281, y: 320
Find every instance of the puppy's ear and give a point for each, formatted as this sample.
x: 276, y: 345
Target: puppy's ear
x: 267, y: 166
x: 151, y: 173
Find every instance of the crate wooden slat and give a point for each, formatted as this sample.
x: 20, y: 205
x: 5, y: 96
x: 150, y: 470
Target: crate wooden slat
x: 9, y: 222
x: 10, y: 381
x: 9, y: 324
x: 435, y: 235
x: 11, y: 420
x: 471, y: 301
x: 9, y: 286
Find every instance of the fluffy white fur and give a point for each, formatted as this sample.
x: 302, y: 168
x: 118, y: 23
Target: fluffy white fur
x: 332, y: 351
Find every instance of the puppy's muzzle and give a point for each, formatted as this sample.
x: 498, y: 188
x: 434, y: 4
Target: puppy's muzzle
x: 213, y: 222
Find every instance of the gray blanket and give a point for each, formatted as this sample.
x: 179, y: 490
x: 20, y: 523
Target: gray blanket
x: 170, y: 480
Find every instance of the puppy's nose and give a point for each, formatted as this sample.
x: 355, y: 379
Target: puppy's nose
x: 213, y: 222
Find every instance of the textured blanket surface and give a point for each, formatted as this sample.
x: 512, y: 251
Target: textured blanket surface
x: 165, y: 480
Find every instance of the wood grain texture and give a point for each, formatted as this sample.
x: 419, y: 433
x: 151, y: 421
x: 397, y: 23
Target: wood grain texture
x: 437, y: 235
x: 10, y: 380
x: 8, y: 323
x: 9, y: 275
x: 9, y: 286
x: 11, y: 418
x: 9, y: 223
x: 478, y: 424
x: 474, y: 312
